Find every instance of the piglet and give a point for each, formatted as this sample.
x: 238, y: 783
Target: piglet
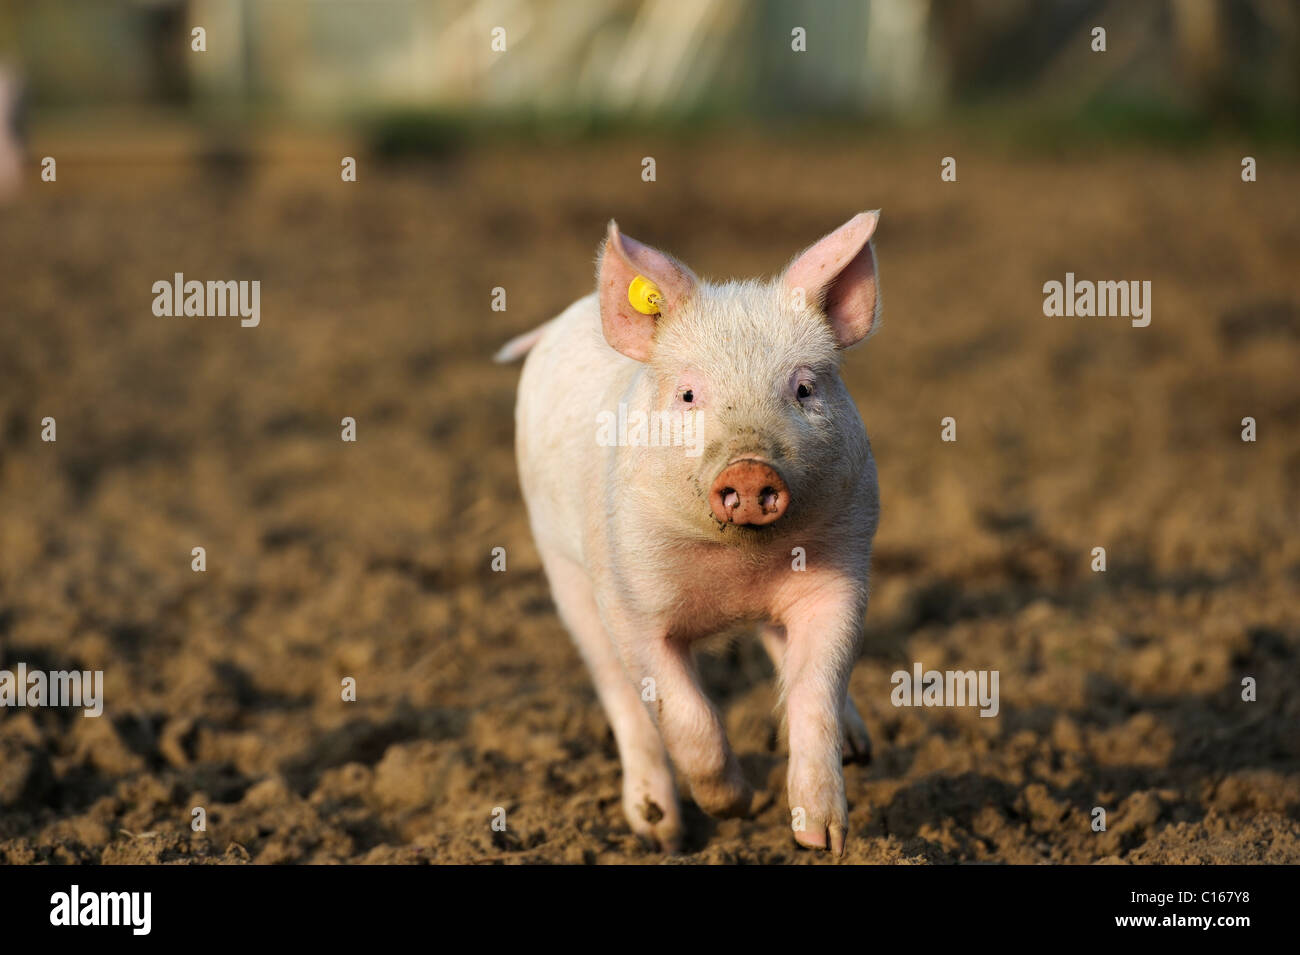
x: 750, y: 496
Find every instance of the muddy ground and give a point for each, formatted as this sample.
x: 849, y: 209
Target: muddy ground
x: 328, y: 560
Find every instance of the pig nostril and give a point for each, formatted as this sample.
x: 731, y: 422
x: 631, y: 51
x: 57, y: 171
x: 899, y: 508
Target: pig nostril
x: 748, y: 492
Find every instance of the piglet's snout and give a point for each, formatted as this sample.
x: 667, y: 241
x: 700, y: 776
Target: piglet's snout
x: 748, y: 492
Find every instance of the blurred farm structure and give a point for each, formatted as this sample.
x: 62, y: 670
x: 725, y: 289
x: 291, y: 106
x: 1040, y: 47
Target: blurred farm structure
x: 910, y: 60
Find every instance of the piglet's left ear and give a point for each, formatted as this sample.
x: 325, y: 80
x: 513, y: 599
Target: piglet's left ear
x: 838, y: 272
x: 624, y: 261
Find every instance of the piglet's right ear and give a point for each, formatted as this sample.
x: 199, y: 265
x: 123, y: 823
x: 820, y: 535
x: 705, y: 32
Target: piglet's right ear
x: 839, y: 273
x: 622, y: 261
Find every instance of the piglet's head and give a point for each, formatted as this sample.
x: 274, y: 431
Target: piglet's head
x: 754, y: 369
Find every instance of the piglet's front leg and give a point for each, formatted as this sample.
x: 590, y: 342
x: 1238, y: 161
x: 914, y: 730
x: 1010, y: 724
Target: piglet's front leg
x: 690, y: 725
x: 823, y: 635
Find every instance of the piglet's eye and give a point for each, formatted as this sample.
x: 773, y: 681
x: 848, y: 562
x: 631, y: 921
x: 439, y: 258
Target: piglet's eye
x: 692, y: 390
x: 803, y: 384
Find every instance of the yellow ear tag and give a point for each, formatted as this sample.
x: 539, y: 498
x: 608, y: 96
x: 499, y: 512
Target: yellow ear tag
x: 644, y: 296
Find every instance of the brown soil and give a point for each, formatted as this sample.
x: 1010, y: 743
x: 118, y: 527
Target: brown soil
x: 328, y: 560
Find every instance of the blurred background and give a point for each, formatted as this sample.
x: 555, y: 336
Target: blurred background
x: 1177, y: 67
x: 481, y: 168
